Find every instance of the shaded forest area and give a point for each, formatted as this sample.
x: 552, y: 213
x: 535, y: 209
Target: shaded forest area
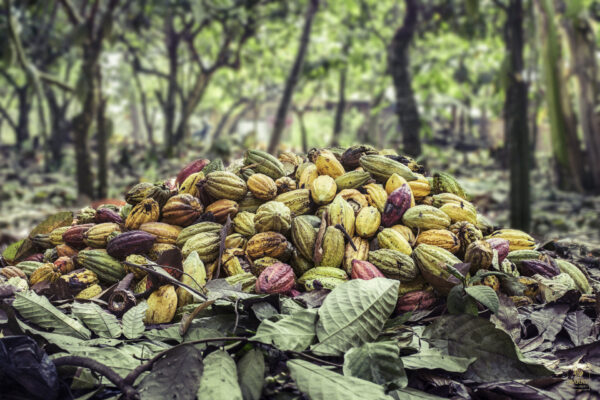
x: 96, y: 95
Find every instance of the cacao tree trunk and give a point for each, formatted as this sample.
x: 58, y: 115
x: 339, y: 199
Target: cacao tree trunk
x: 399, y: 64
x: 515, y: 116
x: 294, y: 75
x: 22, y: 131
x: 172, y: 43
x: 340, y: 108
x: 102, y: 140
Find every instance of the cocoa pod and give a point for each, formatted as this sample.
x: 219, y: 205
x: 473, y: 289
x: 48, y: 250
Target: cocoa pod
x: 367, y: 222
x: 479, y: 254
x: 394, y: 264
x: 262, y: 187
x: 181, y: 210
x: 107, y: 215
x: 396, y: 205
x: 267, y: 244
x: 533, y: 267
x: 273, y: 216
x: 223, y: 208
x: 74, y: 235
x: 501, y: 246
x: 225, y: 185
x: 416, y: 301
x: 365, y: 270
x: 276, y: 278
x: 132, y: 242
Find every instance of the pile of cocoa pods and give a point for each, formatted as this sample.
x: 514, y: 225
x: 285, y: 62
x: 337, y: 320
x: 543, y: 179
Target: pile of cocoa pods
x: 286, y: 225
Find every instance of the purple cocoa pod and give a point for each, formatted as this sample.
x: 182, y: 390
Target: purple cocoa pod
x: 532, y: 267
x: 501, y: 246
x: 396, y: 205
x: 132, y: 242
x: 107, y: 215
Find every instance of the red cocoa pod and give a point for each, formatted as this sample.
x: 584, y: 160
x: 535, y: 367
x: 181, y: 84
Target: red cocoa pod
x: 501, y: 246
x: 64, y: 250
x: 191, y: 168
x: 276, y: 278
x: 532, y: 267
x: 74, y: 235
x: 132, y: 242
x: 415, y: 301
x: 39, y: 257
x: 64, y: 265
x: 365, y: 270
x: 396, y: 205
x: 107, y: 215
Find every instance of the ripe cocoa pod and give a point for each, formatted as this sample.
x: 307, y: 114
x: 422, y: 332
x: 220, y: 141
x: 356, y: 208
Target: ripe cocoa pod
x: 145, y: 211
x: 97, y: 235
x: 365, y: 270
x: 501, y: 246
x: 138, y: 193
x: 206, y: 244
x: 467, y: 233
x: 11, y: 272
x: 479, y: 254
x: 273, y: 216
x: 267, y: 244
x: 190, y: 184
x: 233, y: 261
x: 191, y: 168
x: 307, y: 173
x: 243, y: 223
x: 432, y: 261
x: 132, y: 242
x: 581, y: 281
x: 74, y: 235
x: 327, y: 164
x: 45, y: 273
x: 406, y: 232
x: 162, y: 305
x: 376, y: 196
x: 367, y: 222
x: 350, y: 158
x: 440, y: 200
x: 56, y: 236
x: 440, y: 238
x: 262, y: 187
x: 164, y: 233
x: 420, y: 187
x: 333, y: 248
x: 107, y: 268
x: 260, y: 264
x: 181, y: 210
x: 235, y: 240
x: 304, y: 236
x: 246, y: 280
x: 533, y: 267
x: 64, y: 265
x: 382, y: 167
x: 192, y: 230
x: 341, y: 213
x: 89, y: 292
x: 459, y: 213
x: 356, y: 199
x: 518, y: 256
x: 107, y: 215
x: 323, y: 189
x: 394, y: 182
x: 394, y: 264
x: 138, y: 260
x: 322, y: 278
x: 396, y: 205
x: 80, y: 279
x: 352, y: 180
x: 285, y: 184
x: 277, y: 278
x: 264, y: 163
x: 220, y: 209
x: 298, y: 201
x: 392, y: 239
x: 225, y: 185
x: 425, y: 217
x: 518, y: 240
x: 446, y: 183
x: 42, y: 240
x: 29, y: 266
x: 361, y: 252
x: 416, y: 301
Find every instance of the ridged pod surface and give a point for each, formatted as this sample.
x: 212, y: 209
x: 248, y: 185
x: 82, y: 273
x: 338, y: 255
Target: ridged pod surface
x: 74, y: 235
x: 132, y: 242
x: 273, y: 216
x: 459, y: 213
x: 425, y: 217
x: 264, y: 163
x: 361, y: 252
x: 415, y: 301
x: 342, y: 213
x: 225, y: 185
x: 182, y: 210
x: 367, y: 222
x: 277, y: 278
x: 382, y: 167
x: 190, y: 185
x: 267, y: 244
x: 420, y: 187
x: 479, y: 254
x: 352, y: 180
x: 376, y: 196
x: 304, y: 236
x: 441, y: 238
x: 327, y: 164
x: 107, y: 268
x: 446, y: 183
x: 97, y: 235
x: 298, y: 201
x: 220, y: 209
x: 333, y: 248
x: 206, y: 244
x: 164, y: 233
x: 391, y: 239
x: 518, y: 240
x: 396, y: 205
x: 186, y: 233
x: 365, y: 270
x: 323, y: 189
x: 394, y: 264
x: 145, y: 211
x: 162, y: 305
x: 243, y: 223
x: 467, y: 233
x: 262, y: 186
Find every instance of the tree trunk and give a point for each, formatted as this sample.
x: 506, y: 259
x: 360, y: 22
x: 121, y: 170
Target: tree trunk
x: 515, y: 116
x: 102, y: 140
x: 148, y: 123
x: 136, y: 126
x: 172, y: 42
x: 484, y: 128
x: 303, y: 132
x: 583, y: 50
x: 59, y: 128
x: 194, y: 98
x: 22, y: 131
x: 292, y: 79
x: 399, y: 64
x: 340, y: 108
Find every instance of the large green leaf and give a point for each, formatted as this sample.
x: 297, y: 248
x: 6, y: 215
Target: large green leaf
x: 220, y: 380
x: 10, y: 253
x: 354, y: 313
x: 133, y: 321
x: 251, y: 374
x: 38, y: 310
x: 176, y: 376
x: 433, y: 359
x: 496, y: 355
x: 377, y: 362
x: 485, y: 295
x: 292, y: 332
x: 319, y: 383
x: 54, y: 221
x: 99, y: 321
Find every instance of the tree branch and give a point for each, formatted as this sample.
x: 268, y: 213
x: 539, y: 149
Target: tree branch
x: 72, y: 13
x: 500, y: 4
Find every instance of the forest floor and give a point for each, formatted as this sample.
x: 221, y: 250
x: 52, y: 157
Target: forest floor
x: 28, y: 194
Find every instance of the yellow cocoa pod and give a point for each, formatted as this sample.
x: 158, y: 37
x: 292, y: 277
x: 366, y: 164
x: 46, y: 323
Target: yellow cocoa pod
x: 164, y: 233
x: 45, y: 273
x: 376, y: 196
x: 267, y: 244
x: 189, y: 186
x: 89, y: 292
x: 243, y: 223
x: 235, y: 240
x: 333, y: 248
x: 390, y: 238
x: 518, y: 240
x: 298, y: 201
x: 307, y: 176
x: 367, y: 222
x: 231, y: 261
x: 406, y: 232
x: 145, y: 211
x: 425, y: 217
x: 340, y: 212
x: 273, y: 216
x: 459, y: 213
x: 440, y: 238
x: 223, y: 208
x: 394, y: 182
x: 327, y: 164
x: 323, y: 189
x: 356, y: 199
x: 56, y: 236
x: 162, y: 305
x: 262, y: 187
x: 420, y: 187
x: 361, y: 252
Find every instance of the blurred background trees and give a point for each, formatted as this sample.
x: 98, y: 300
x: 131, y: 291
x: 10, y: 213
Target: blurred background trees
x: 514, y: 83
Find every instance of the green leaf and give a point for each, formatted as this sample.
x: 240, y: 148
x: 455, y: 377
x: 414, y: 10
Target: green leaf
x: 10, y: 253
x: 175, y: 376
x: 99, y: 321
x: 251, y: 374
x: 38, y: 310
x: 496, y: 355
x: 133, y: 321
x: 485, y: 295
x: 413, y: 394
x: 459, y: 302
x: 354, y: 313
x: 377, y: 362
x: 62, y: 341
x: 319, y: 383
x: 220, y: 380
x: 292, y: 332
x: 58, y: 220
x: 433, y: 359
x: 169, y: 333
